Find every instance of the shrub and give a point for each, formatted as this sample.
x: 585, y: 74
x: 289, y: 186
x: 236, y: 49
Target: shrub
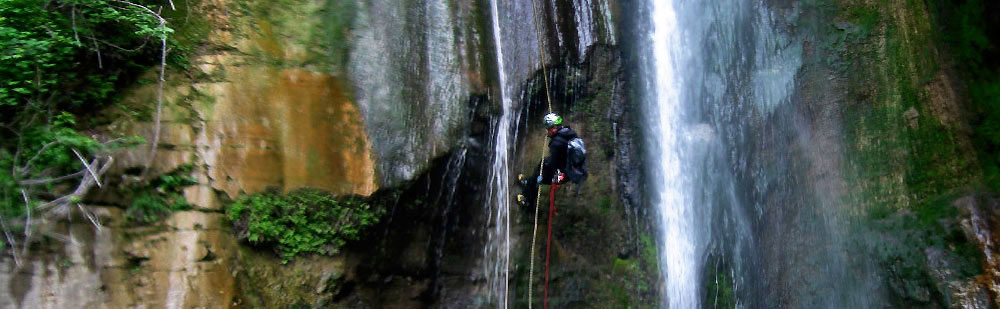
x: 161, y: 196
x: 61, y: 60
x: 305, y: 220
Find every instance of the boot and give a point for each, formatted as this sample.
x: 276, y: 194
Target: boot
x: 523, y: 180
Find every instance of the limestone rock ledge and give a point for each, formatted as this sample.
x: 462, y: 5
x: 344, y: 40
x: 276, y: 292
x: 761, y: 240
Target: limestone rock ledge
x: 179, y: 263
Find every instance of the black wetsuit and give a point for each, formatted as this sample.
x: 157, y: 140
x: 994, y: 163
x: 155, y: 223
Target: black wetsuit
x: 556, y: 160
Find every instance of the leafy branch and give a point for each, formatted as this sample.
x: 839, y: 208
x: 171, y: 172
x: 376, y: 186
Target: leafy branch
x: 47, y: 51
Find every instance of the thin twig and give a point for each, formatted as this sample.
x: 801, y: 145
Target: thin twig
x: 10, y: 240
x: 159, y: 106
x: 100, y: 62
x: 38, y: 111
x: 112, y: 141
x: 53, y: 203
x: 81, y: 189
x: 144, y: 42
x: 27, y: 166
x: 72, y: 11
x: 27, y: 209
x: 162, y: 21
x: 93, y: 218
x: 159, y: 92
x: 92, y: 174
x: 31, y: 182
x: 48, y: 102
x: 61, y: 238
x: 17, y: 154
x: 27, y: 223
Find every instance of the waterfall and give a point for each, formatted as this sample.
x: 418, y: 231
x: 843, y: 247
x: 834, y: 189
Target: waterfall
x: 710, y: 73
x: 497, y: 251
x: 679, y: 259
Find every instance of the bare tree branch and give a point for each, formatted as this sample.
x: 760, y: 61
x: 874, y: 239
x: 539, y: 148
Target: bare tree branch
x: 31, y: 182
x: 10, y: 241
x: 72, y: 15
x: 94, y: 169
x: 159, y: 91
x: 144, y: 42
x: 112, y: 141
x: 27, y: 166
x: 87, y: 166
x: 85, y: 184
x: 61, y: 238
x: 162, y: 21
x: 100, y: 61
x: 93, y: 218
x: 17, y: 155
x: 27, y: 223
x: 51, y: 204
x: 159, y: 106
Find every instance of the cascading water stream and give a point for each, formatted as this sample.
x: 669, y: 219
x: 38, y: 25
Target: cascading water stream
x: 679, y: 260
x: 710, y: 71
x: 498, y: 244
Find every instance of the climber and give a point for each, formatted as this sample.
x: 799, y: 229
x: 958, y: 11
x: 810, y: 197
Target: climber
x: 567, y: 156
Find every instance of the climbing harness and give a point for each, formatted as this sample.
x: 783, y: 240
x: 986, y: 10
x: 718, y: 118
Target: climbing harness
x: 541, y: 168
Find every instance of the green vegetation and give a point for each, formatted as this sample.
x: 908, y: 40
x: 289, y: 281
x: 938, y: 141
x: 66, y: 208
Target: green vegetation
x: 62, y: 60
x: 718, y: 285
x: 633, y: 276
x: 302, y: 221
x: 866, y: 18
x: 161, y: 196
x: 970, y: 32
x: 50, y: 50
x: 50, y: 146
x: 628, y: 268
x: 892, y: 128
x: 908, y: 151
x: 925, y: 245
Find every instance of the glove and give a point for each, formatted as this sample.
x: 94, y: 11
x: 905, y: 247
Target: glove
x: 559, y: 177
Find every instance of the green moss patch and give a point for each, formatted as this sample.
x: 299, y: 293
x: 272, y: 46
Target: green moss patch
x: 909, y: 151
x: 301, y: 221
x: 157, y: 198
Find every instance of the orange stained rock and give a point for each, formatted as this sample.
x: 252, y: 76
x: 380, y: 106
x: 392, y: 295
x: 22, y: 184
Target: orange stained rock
x: 288, y: 129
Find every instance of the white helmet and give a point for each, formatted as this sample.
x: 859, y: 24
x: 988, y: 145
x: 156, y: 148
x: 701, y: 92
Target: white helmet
x: 551, y: 120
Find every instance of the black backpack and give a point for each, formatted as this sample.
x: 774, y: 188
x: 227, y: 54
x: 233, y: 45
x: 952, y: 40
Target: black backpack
x: 576, y: 160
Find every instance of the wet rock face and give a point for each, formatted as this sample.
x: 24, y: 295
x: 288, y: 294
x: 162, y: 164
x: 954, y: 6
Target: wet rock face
x: 257, y: 109
x: 888, y: 95
x: 980, y: 221
x: 294, y: 129
x: 413, y: 67
x: 341, y: 96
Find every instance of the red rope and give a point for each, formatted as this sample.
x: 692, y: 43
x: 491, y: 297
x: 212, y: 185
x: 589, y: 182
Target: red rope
x: 548, y: 241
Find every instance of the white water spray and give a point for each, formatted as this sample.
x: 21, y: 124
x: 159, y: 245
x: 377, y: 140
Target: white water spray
x: 678, y: 258
x: 498, y: 245
x: 699, y: 106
